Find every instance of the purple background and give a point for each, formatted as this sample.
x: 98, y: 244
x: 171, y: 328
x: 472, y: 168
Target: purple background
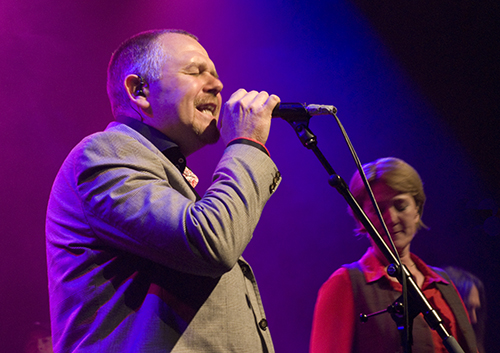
x: 412, y: 79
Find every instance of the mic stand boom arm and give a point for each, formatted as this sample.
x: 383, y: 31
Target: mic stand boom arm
x: 419, y: 301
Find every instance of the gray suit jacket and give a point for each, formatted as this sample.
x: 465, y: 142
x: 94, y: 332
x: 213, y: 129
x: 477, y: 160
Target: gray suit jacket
x: 136, y: 264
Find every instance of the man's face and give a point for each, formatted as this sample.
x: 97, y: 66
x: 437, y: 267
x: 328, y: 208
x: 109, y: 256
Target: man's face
x: 186, y: 101
x: 44, y: 345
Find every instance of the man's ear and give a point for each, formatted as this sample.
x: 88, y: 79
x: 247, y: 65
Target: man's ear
x: 138, y: 92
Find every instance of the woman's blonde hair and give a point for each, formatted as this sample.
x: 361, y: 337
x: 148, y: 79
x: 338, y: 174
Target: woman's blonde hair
x: 395, y: 173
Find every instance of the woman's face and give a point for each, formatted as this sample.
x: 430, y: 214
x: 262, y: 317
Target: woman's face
x: 473, y: 304
x: 400, y: 214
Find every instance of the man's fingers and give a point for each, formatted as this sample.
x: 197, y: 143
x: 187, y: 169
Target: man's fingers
x: 271, y: 102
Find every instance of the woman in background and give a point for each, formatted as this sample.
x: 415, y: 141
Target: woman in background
x: 365, y: 287
x: 471, y: 290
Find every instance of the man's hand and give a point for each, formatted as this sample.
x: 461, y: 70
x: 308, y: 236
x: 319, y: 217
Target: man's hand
x: 247, y: 114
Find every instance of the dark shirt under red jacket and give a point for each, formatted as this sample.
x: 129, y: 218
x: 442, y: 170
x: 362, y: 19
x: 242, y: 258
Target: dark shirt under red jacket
x: 365, y: 287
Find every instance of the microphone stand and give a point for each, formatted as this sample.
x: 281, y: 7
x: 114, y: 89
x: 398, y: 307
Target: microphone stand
x: 420, y: 304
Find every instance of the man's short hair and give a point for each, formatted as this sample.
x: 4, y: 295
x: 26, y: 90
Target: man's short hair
x: 143, y: 55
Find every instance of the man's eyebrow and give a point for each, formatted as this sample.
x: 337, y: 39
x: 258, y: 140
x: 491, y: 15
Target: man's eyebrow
x: 203, y: 65
x: 191, y: 65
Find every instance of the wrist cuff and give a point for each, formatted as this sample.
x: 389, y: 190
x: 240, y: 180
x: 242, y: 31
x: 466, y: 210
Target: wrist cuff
x: 251, y: 142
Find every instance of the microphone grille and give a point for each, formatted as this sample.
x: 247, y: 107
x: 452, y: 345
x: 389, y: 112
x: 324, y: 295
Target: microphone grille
x: 319, y: 109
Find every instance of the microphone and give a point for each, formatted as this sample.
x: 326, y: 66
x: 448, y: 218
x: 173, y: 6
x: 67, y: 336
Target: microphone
x: 301, y: 112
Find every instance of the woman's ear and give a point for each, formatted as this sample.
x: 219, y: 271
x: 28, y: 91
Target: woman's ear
x: 360, y: 228
x: 417, y: 217
x: 138, y: 92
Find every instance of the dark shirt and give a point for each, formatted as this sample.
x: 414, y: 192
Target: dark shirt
x: 170, y: 149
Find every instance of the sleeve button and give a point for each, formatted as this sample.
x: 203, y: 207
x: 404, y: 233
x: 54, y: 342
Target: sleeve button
x: 263, y: 324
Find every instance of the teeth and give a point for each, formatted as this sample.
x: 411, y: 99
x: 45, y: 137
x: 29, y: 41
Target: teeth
x: 206, y: 111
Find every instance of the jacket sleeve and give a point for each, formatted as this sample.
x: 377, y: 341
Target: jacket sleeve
x: 130, y: 196
x: 333, y: 322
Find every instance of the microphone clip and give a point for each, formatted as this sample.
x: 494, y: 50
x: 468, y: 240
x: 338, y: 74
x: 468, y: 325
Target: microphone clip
x: 304, y: 134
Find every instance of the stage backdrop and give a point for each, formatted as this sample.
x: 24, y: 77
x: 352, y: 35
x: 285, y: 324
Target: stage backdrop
x: 416, y: 80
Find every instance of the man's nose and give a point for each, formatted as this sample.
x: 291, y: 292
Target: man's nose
x: 214, y: 86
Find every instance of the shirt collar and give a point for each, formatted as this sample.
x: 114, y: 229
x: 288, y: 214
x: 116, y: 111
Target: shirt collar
x: 169, y: 148
x: 374, y: 269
